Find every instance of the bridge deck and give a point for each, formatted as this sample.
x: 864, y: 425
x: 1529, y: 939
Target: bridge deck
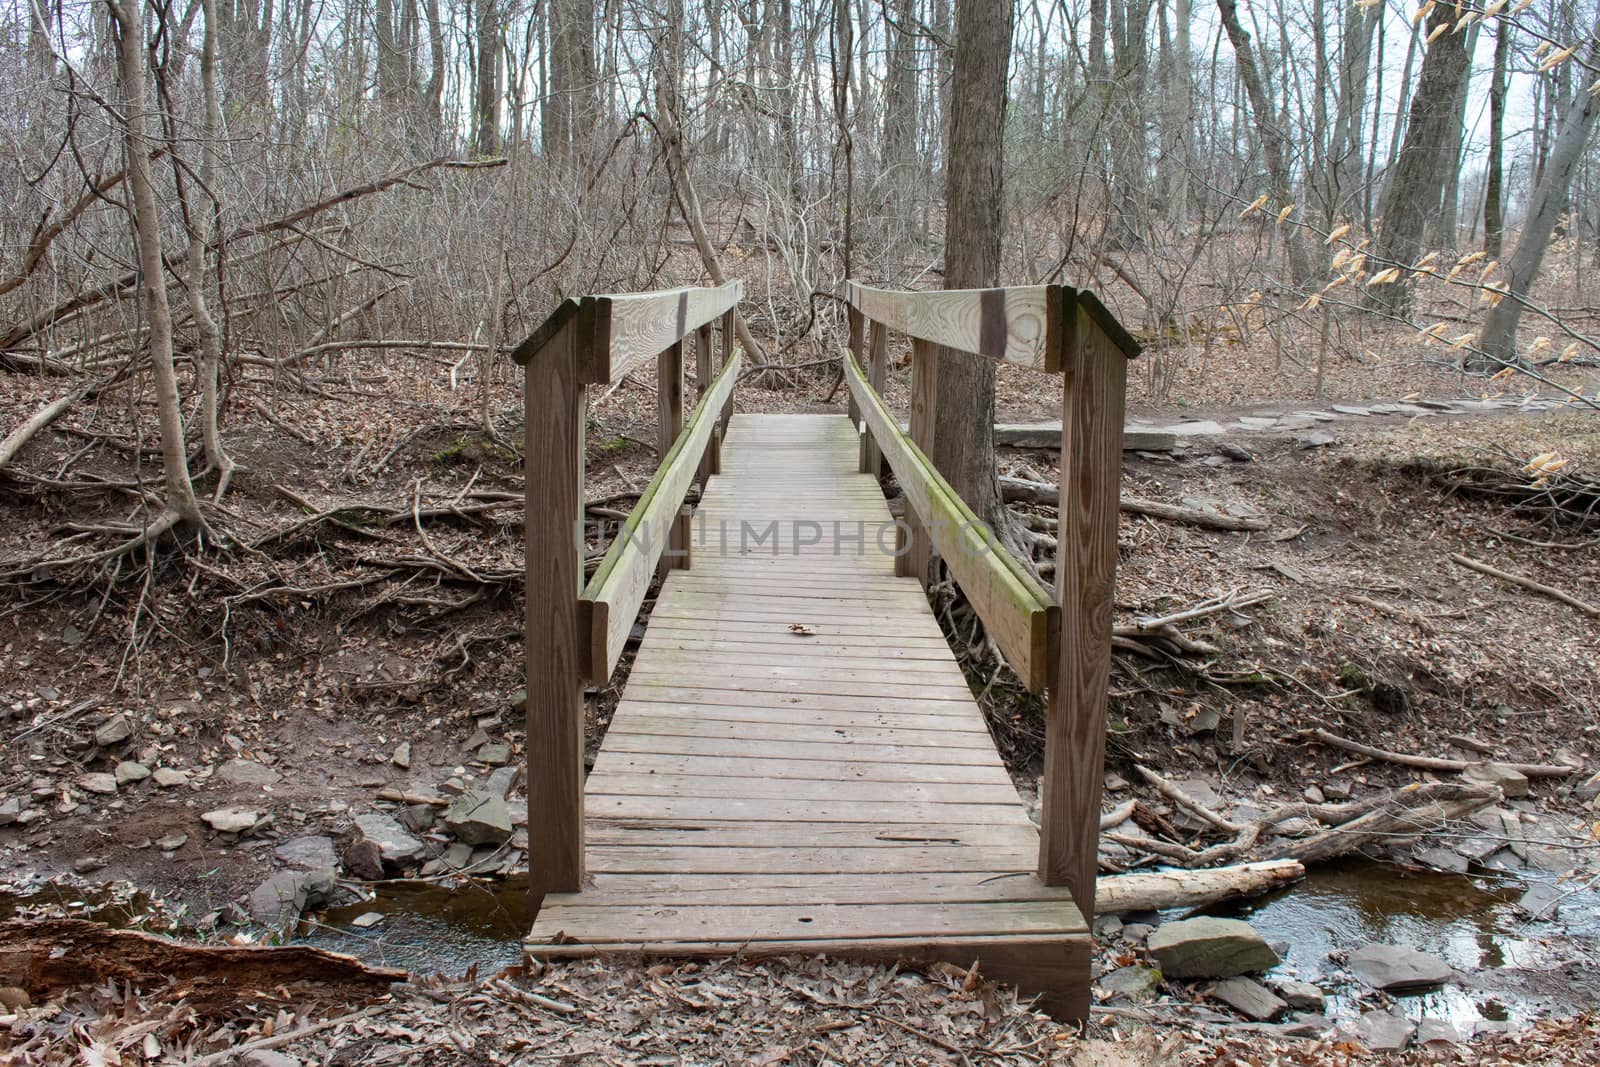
x: 797, y: 763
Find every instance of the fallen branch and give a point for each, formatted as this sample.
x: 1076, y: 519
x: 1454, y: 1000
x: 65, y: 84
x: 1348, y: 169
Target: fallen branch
x: 1435, y: 763
x: 1416, y: 809
x: 1020, y: 490
x: 1527, y: 583
x: 16, y: 439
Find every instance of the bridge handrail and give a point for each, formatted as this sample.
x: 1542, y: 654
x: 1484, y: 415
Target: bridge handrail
x: 610, y: 602
x: 1020, y: 614
x: 575, y: 631
x: 1057, y: 329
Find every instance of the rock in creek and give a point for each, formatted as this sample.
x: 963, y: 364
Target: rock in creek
x: 311, y: 852
x: 1301, y: 996
x: 1210, y: 948
x: 394, y: 844
x: 364, y: 860
x: 1380, y: 1031
x: 479, y: 819
x: 1134, y: 983
x: 1396, y: 968
x: 1250, y: 998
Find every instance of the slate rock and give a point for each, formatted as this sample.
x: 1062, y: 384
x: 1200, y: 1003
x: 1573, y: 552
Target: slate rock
x: 277, y: 902
x: 1437, y: 1032
x: 98, y: 783
x: 231, y: 820
x: 1512, y: 782
x: 1313, y: 1025
x: 248, y: 772
x: 1541, y: 901
x: 1381, y: 1031
x: 1134, y: 983
x: 1396, y: 968
x: 1210, y: 948
x: 495, y: 753
x: 170, y: 777
x: 402, y: 756
x: 10, y: 810
x: 1443, y: 859
x: 172, y: 842
x: 1250, y: 999
x: 394, y: 844
x: 311, y: 852
x: 1136, y: 931
x: 127, y: 772
x: 1316, y: 439
x: 479, y: 818
x: 364, y: 860
x: 268, y: 1058
x: 114, y: 731
x: 457, y: 856
x: 1301, y: 996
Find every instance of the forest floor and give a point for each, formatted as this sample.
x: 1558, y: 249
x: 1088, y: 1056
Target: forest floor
x: 352, y: 626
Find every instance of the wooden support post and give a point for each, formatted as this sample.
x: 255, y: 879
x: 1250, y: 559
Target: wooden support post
x: 918, y: 559
x: 877, y: 377
x: 714, y: 452
x: 729, y: 327
x: 1086, y: 558
x: 669, y: 399
x: 857, y: 340
x: 553, y: 447
x: 702, y: 382
x: 676, y: 555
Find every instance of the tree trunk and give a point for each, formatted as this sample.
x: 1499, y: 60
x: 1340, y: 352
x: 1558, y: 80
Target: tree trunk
x: 962, y: 423
x: 487, y: 105
x: 1356, y: 55
x: 210, y: 333
x: 1493, y: 209
x: 569, y: 114
x: 1272, y: 139
x: 899, y: 172
x: 1413, y: 197
x: 129, y: 35
x: 1446, y: 229
x: 1544, y: 211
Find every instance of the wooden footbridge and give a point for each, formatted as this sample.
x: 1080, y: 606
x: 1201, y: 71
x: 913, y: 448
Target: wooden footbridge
x: 797, y: 763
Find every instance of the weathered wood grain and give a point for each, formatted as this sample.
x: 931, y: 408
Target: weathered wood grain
x: 1021, y: 324
x: 639, y: 326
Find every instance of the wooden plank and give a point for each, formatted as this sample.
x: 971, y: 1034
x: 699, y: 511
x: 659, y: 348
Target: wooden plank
x: 808, y: 716
x: 688, y: 693
x: 639, y: 326
x: 645, y: 859
x: 767, y: 922
x: 770, y: 809
x: 553, y: 445
x: 1019, y: 615
x: 792, y: 685
x: 669, y: 397
x: 1086, y: 565
x: 878, y: 378
x: 799, y: 750
x: 797, y: 789
x: 1021, y: 324
x: 713, y: 765
x: 630, y: 890
x: 640, y: 721
x: 611, y: 600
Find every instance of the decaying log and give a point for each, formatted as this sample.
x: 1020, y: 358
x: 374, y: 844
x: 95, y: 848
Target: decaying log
x: 1416, y: 809
x: 50, y: 955
x: 1156, y: 890
x: 33, y: 424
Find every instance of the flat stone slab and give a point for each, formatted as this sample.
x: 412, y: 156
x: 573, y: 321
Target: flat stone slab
x: 1210, y: 948
x: 310, y: 852
x: 248, y: 772
x: 1250, y: 998
x: 394, y: 844
x: 1351, y: 409
x: 1396, y: 968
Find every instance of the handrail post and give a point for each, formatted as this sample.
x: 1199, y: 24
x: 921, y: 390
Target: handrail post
x: 702, y: 382
x: 857, y: 338
x: 917, y: 560
x: 1093, y: 391
x: 554, y: 397
x: 730, y: 328
x: 877, y: 377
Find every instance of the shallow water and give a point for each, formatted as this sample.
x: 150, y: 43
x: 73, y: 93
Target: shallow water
x: 429, y: 928
x: 1514, y: 964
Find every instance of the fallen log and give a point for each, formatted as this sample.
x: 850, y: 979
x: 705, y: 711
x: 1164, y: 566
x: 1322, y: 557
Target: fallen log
x: 1592, y: 610
x: 1416, y: 809
x: 33, y: 424
x: 1158, y: 890
x: 48, y: 956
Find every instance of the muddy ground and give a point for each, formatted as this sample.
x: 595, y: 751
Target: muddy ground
x: 319, y: 641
